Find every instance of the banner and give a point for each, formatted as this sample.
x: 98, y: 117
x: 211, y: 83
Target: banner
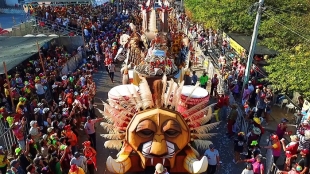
x: 238, y: 48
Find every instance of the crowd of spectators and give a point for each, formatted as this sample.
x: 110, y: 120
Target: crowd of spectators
x: 47, y: 129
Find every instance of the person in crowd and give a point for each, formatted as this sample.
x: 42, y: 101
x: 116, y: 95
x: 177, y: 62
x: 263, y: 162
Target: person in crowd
x: 74, y: 169
x: 232, y: 119
x: 222, y: 104
x: 248, y: 169
x: 246, y: 94
x: 252, y: 144
x: 275, y: 146
x: 194, y: 78
x: 90, y: 154
x: 304, y: 140
x: 290, y: 151
x: 187, y: 78
x: 79, y: 161
x: 19, y: 132
x: 3, y: 160
x: 160, y: 169
x: 112, y: 70
x: 258, y: 166
x: 296, y: 169
x: 281, y: 128
x: 214, y: 83
x: 203, y: 80
x: 235, y: 89
x: 16, y: 167
x: 239, y: 143
x: 89, y: 128
x: 304, y: 162
x: 213, y: 159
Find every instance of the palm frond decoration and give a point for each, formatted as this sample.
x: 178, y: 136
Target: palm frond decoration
x: 113, y: 136
x: 203, y: 120
x: 169, y: 90
x: 202, y: 144
x: 113, y: 144
x: 174, y: 91
x: 137, y: 98
x: 190, y: 95
x: 203, y: 136
x: 115, y: 105
x: 197, y: 115
x: 164, y: 81
x: 206, y: 128
x: 106, y: 115
x: 194, y: 150
x: 177, y: 97
x: 146, y: 94
x: 194, y: 109
x: 109, y: 127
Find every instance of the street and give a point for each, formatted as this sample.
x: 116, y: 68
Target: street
x: 221, y: 142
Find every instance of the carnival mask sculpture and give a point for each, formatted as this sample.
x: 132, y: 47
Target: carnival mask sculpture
x: 149, y: 129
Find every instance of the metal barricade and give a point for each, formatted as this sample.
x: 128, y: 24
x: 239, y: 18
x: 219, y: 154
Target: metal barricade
x: 271, y: 167
x: 7, y: 138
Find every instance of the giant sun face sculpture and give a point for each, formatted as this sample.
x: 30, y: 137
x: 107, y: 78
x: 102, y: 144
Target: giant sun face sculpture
x: 157, y: 135
x: 156, y: 127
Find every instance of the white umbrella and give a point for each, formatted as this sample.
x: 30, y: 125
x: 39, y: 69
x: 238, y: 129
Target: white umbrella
x: 29, y: 35
x: 53, y: 35
x: 41, y: 35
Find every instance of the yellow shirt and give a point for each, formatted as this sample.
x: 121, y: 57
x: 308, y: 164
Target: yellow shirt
x: 6, y: 92
x: 79, y: 171
x: 3, y: 163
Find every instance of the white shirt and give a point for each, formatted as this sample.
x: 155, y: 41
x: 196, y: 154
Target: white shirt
x: 81, y: 162
x: 211, y: 156
x: 90, y: 127
x: 246, y: 171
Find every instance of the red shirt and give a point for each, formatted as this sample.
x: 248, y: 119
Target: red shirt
x: 291, y: 149
x: 223, y: 101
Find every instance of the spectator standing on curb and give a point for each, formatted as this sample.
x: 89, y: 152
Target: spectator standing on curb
x: 80, y: 161
x: 231, y: 120
x: 111, y: 68
x: 214, y: 83
x: 194, y: 78
x: 204, y: 80
x: 90, y: 130
x: 213, y: 159
x: 223, y: 103
x: 276, y: 147
x: 18, y: 131
x: 248, y: 169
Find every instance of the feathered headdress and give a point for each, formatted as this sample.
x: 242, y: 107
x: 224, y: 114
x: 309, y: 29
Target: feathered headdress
x: 167, y: 94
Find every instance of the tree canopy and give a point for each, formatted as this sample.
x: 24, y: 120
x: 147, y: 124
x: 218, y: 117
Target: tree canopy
x: 285, y: 27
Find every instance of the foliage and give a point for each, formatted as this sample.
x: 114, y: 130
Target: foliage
x: 285, y: 27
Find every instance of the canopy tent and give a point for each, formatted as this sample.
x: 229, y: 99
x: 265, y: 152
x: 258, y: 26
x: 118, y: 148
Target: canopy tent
x: 15, y: 50
x: 239, y: 42
x: 63, y: 1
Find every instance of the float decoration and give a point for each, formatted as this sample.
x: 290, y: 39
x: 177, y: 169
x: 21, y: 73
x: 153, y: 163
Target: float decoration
x: 158, y: 127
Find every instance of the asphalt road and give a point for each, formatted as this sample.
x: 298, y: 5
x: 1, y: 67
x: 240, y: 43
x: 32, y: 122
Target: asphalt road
x: 221, y: 142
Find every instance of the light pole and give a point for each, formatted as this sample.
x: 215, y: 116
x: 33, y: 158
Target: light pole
x: 253, y: 42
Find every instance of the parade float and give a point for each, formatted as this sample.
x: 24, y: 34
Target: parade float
x: 157, y: 119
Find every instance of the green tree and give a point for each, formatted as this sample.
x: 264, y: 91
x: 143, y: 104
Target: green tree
x: 285, y: 27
